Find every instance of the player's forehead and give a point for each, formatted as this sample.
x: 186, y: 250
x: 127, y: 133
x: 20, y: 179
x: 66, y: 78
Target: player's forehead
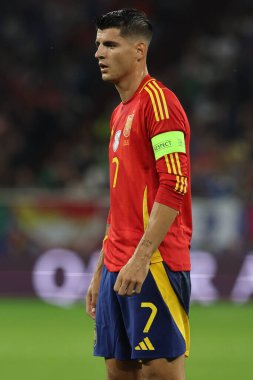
x: 109, y: 34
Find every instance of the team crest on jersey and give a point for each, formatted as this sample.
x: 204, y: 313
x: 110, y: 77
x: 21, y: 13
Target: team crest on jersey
x: 116, y: 141
x: 128, y: 125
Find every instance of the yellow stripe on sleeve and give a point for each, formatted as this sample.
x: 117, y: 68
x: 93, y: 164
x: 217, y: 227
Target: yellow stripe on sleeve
x: 167, y: 163
x: 186, y: 185
x: 163, y: 99
x: 153, y: 102
x: 178, y: 183
x: 182, y: 185
x: 178, y: 164
x: 157, y: 99
x: 173, y: 164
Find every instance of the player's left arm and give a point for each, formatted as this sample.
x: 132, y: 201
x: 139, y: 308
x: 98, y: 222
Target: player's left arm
x: 133, y: 274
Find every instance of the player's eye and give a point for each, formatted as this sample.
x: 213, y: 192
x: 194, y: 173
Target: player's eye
x: 111, y: 44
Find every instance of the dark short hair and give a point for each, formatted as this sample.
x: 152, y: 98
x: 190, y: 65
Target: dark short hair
x: 130, y: 21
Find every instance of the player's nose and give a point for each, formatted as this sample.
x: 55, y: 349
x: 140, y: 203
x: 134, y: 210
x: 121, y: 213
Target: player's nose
x: 99, y: 52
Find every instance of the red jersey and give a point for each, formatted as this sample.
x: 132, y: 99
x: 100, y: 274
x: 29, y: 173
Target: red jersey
x: 149, y: 162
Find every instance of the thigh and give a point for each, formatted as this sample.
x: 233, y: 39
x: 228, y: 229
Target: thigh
x: 123, y: 369
x: 111, y: 340
x: 164, y: 369
x: 156, y: 321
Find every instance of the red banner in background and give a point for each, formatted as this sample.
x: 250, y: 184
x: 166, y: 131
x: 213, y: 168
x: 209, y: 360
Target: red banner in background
x: 31, y: 226
x: 49, y: 223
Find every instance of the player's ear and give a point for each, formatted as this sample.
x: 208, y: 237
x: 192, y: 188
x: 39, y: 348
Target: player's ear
x: 141, y: 50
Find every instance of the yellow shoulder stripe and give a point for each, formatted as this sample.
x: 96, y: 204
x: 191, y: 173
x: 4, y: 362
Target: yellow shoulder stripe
x: 164, y: 100
x: 153, y: 102
x: 145, y: 84
x: 157, y: 99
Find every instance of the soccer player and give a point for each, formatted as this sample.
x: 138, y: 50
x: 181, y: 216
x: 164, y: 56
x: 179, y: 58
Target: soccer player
x: 140, y: 291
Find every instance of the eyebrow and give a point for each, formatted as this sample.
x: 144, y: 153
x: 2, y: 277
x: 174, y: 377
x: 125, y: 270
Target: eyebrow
x: 106, y: 43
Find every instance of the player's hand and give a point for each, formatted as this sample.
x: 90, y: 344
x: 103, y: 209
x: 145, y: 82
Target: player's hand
x: 92, y: 295
x: 131, y: 277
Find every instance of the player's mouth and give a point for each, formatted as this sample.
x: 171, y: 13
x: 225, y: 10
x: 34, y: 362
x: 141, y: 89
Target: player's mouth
x: 103, y: 67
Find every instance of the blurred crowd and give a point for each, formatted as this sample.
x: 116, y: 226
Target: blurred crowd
x: 54, y: 108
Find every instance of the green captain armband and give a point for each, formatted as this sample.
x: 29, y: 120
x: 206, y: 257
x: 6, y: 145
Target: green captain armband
x: 168, y: 142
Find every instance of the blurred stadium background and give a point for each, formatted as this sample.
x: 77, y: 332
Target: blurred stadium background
x: 54, y: 112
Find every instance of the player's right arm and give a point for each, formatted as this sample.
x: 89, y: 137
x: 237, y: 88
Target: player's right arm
x: 92, y: 292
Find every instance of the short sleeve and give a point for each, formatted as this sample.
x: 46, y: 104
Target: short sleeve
x: 165, y: 120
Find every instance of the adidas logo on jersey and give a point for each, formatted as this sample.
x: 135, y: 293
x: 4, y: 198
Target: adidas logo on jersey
x: 145, y: 345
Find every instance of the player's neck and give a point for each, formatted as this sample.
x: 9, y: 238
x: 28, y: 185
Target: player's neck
x: 127, y: 86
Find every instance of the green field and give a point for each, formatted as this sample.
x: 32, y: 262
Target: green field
x: 39, y: 341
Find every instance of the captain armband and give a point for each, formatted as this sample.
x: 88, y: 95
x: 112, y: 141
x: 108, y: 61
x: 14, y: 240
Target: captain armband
x: 168, y: 142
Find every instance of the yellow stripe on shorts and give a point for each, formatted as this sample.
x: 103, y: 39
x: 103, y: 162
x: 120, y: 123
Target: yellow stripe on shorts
x: 170, y: 298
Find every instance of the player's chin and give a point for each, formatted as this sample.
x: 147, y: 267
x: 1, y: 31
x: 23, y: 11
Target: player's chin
x: 107, y: 78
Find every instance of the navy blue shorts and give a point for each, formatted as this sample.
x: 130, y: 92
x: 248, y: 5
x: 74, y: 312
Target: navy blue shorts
x: 149, y: 325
